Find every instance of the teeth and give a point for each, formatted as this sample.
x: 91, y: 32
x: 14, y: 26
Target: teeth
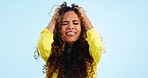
x: 70, y: 33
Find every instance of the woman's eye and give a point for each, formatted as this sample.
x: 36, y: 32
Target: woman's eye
x: 75, y: 23
x: 64, y: 24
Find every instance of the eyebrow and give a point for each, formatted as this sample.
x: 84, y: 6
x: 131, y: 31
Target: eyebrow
x: 64, y: 21
x: 72, y: 21
x: 75, y: 21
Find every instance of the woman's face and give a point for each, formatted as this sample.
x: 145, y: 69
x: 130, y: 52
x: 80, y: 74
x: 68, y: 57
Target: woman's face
x: 70, y: 27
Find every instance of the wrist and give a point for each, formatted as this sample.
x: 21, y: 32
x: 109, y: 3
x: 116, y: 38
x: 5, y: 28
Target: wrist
x: 88, y: 24
x: 51, y: 25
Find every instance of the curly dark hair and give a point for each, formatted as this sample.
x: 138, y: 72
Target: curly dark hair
x: 76, y: 63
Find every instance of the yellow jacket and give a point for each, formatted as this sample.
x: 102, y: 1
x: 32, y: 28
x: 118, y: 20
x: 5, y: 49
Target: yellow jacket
x: 93, y: 39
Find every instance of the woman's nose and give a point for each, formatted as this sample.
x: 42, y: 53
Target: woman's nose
x: 70, y: 26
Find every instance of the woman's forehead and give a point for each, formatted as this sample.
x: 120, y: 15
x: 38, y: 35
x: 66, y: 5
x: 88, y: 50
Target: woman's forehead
x: 70, y: 15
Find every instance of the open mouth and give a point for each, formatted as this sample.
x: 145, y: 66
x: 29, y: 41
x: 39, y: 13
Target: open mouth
x: 70, y: 33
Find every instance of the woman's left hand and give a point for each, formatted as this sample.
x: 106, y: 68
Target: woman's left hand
x: 88, y: 25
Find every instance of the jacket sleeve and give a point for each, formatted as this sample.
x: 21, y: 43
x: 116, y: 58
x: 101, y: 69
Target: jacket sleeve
x: 44, y: 43
x: 95, y: 44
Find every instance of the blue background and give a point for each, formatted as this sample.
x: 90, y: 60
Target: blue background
x: 123, y: 25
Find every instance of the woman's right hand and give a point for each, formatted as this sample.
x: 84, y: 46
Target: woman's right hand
x: 52, y: 23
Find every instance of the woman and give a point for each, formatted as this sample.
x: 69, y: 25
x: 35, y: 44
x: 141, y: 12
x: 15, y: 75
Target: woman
x: 70, y: 45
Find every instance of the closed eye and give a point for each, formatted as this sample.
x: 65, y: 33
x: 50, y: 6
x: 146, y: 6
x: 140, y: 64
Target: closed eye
x: 75, y: 23
x: 65, y: 23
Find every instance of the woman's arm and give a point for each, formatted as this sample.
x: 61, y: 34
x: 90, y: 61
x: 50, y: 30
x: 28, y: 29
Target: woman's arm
x: 95, y: 44
x: 46, y: 38
x: 44, y: 44
x: 51, y: 26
